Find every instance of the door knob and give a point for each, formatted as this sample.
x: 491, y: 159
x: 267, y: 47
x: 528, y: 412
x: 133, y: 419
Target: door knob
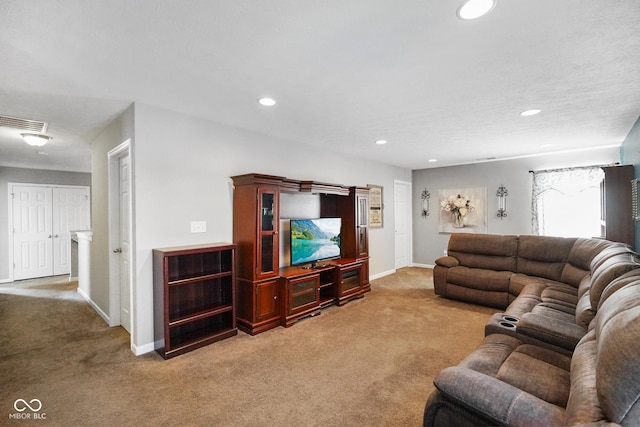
x: 117, y: 250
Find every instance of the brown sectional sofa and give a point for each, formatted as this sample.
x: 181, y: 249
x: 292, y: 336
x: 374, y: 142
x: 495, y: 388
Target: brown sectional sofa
x: 566, y: 348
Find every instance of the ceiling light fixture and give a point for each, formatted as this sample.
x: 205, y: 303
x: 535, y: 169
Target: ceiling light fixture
x: 381, y: 141
x: 267, y: 102
x: 529, y: 113
x: 35, y: 139
x: 472, y: 9
x: 432, y: 160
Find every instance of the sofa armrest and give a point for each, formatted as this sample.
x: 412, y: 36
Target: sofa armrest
x: 448, y: 261
x: 550, y: 330
x: 495, y: 399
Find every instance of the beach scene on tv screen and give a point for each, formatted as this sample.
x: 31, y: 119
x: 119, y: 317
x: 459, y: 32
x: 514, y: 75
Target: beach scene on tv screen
x: 314, y: 239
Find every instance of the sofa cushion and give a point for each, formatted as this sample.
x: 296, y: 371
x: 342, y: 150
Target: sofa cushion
x: 543, y: 256
x: 613, y: 249
x: 619, y: 282
x: 584, y: 250
x: 578, y: 263
x: 551, y: 330
x: 607, y: 271
x: 617, y: 328
x: 551, y: 372
x: 510, y: 382
x: 496, y: 400
x: 488, y: 251
x: 479, y: 278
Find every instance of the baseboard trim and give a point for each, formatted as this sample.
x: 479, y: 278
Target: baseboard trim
x: 384, y: 273
x: 142, y: 349
x: 95, y: 306
x: 422, y: 265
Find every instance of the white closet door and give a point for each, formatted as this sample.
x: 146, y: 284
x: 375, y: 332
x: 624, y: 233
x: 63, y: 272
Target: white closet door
x: 32, y: 227
x: 70, y: 212
x: 125, y: 251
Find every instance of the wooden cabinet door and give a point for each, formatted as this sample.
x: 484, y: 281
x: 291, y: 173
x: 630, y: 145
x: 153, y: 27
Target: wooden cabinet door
x: 362, y: 222
x: 350, y: 280
x: 302, y: 294
x: 267, y: 238
x: 267, y: 300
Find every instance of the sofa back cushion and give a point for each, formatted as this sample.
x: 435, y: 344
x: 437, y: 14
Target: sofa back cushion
x: 487, y: 251
x: 578, y: 264
x: 617, y: 328
x: 613, y: 249
x: 543, y: 256
x: 608, y: 270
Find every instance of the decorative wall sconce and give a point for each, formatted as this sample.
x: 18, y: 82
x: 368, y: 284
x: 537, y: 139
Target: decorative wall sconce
x: 425, y: 202
x: 502, y: 194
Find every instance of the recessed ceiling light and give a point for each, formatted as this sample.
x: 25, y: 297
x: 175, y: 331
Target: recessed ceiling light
x: 381, y: 141
x: 267, y: 102
x: 528, y: 113
x: 472, y: 9
x: 432, y: 160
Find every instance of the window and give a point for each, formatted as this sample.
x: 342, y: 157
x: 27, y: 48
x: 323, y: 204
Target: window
x: 566, y: 202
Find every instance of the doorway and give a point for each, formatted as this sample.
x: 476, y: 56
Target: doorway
x: 402, y: 224
x: 121, y: 310
x: 41, y: 216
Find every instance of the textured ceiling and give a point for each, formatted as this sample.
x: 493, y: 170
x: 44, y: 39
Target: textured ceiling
x: 345, y: 73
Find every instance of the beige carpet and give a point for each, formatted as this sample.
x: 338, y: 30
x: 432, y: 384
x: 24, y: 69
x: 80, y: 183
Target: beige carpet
x: 368, y: 363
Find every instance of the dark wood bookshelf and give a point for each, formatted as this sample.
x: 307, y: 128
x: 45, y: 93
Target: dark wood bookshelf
x: 196, y: 287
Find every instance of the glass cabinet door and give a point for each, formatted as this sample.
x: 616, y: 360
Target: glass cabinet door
x: 268, y: 233
x: 363, y: 219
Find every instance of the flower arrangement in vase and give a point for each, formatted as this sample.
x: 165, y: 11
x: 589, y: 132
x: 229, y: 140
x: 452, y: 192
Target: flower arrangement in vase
x: 460, y: 206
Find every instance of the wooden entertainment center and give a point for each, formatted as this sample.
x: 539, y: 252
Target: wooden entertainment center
x: 268, y: 295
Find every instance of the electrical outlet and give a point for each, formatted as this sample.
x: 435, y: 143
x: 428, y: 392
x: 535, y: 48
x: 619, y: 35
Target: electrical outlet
x: 198, y: 226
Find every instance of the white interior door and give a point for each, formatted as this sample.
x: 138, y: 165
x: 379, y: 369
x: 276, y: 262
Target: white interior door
x: 402, y: 226
x: 32, y: 232
x: 124, y: 244
x: 70, y: 212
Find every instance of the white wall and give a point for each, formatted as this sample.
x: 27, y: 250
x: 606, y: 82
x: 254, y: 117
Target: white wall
x: 182, y: 173
x: 429, y: 244
x: 30, y: 176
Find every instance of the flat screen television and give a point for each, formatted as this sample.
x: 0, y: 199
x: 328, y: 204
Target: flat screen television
x: 313, y: 240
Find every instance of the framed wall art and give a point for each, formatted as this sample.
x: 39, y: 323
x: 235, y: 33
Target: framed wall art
x: 463, y: 210
x: 375, y: 206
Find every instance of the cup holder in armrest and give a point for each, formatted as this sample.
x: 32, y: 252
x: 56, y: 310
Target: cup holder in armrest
x: 502, y: 323
x: 507, y: 321
x: 507, y: 325
x: 510, y: 319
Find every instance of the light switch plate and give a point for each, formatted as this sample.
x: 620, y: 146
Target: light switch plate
x: 198, y: 226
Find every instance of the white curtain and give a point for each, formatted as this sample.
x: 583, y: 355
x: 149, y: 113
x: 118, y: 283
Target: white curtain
x: 566, y: 202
